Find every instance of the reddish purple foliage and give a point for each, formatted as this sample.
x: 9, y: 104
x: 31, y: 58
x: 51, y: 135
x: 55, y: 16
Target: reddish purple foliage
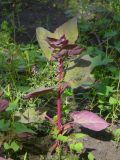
x: 1, y: 158
x: 25, y: 135
x: 38, y: 92
x: 89, y: 120
x: 3, y: 104
x: 65, y: 49
x: 57, y: 43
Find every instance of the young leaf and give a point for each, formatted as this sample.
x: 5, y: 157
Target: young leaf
x: 68, y: 51
x: 13, y: 105
x: 116, y: 134
x: 91, y: 156
x: 78, y: 135
x: 14, y: 146
x: 38, y: 92
x: 57, y: 43
x: 113, y: 101
x: 89, y: 120
x: 6, y: 146
x: 62, y: 138
x: 76, y: 147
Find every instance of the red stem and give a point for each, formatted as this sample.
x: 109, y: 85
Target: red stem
x: 60, y: 70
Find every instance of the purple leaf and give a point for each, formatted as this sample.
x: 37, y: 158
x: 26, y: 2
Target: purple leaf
x: 61, y: 53
x: 57, y: 43
x: 38, y: 92
x: 75, y: 51
x: 1, y: 158
x: 25, y: 135
x: 3, y: 104
x: 89, y: 120
x: 68, y: 50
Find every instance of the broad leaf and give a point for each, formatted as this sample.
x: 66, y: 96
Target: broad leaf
x: 113, y: 101
x: 89, y: 120
x: 1, y: 158
x: 42, y: 35
x: 21, y: 128
x: 3, y: 104
x: 78, y: 135
x: 13, y: 105
x: 4, y: 125
x: 110, y: 34
x: 62, y: 138
x: 99, y: 61
x: 78, y: 72
x: 69, y: 29
x: 76, y: 147
x: 14, y: 146
x: 38, y: 92
x: 91, y: 156
x: 29, y: 116
x: 25, y: 136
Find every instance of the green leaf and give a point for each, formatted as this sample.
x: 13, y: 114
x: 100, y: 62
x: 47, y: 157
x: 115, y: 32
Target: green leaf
x: 29, y: 116
x: 91, y: 156
x: 109, y: 89
x: 62, y: 138
x: 117, y: 46
x: 42, y: 34
x: 25, y: 156
x: 113, y: 101
x: 20, y: 128
x: 117, y: 17
x: 76, y: 147
x: 6, y: 146
x: 78, y: 135
x: 110, y: 34
x: 14, y: 146
x: 78, y: 72
x: 98, y: 61
x: 13, y: 105
x: 69, y: 29
x: 4, y: 125
x: 117, y: 132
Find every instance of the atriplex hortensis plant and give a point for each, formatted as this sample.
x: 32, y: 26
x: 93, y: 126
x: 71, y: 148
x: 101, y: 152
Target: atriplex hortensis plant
x: 61, y: 49
x: 58, y: 46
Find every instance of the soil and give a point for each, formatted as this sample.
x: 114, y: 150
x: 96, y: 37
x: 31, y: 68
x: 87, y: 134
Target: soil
x: 102, y: 146
x: 34, y: 15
